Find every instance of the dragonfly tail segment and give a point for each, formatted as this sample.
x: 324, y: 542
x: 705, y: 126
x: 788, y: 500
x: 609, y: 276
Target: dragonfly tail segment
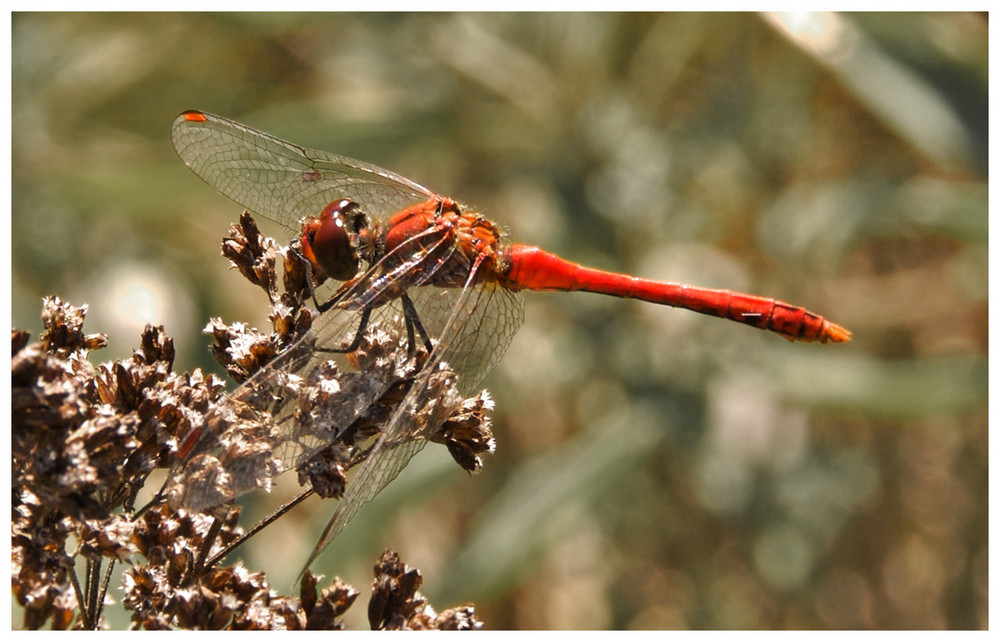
x: 530, y: 268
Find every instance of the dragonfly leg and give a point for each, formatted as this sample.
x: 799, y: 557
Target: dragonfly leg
x: 362, y: 325
x: 323, y: 307
x: 413, y: 321
x: 413, y: 326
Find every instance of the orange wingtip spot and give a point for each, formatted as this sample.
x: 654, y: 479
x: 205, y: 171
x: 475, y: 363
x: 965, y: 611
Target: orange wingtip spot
x: 194, y: 116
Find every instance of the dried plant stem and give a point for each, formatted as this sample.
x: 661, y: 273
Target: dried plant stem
x: 259, y: 526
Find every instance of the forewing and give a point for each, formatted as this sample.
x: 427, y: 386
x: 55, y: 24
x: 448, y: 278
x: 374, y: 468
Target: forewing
x: 282, y: 181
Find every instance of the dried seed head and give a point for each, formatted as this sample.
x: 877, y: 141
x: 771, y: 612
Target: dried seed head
x: 85, y: 438
x: 252, y: 253
x: 321, y: 611
x: 468, y: 432
x: 63, y: 329
x: 397, y: 605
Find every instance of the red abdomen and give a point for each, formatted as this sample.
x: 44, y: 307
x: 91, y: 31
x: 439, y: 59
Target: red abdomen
x: 530, y: 268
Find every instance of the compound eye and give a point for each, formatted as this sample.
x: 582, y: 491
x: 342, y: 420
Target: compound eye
x: 327, y: 240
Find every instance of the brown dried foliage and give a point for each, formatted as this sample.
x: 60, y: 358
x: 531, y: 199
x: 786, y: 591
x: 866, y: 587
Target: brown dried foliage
x: 85, y: 439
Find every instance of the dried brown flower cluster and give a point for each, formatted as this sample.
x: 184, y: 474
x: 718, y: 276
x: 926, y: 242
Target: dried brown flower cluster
x: 85, y: 440
x: 397, y: 605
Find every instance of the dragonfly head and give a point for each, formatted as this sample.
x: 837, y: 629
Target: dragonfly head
x: 331, y: 241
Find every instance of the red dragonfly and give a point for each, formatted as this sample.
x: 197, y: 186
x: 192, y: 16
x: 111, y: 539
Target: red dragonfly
x: 395, y: 244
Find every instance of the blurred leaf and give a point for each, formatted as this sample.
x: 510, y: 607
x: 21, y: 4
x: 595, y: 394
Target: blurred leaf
x: 539, y: 506
x: 925, y: 388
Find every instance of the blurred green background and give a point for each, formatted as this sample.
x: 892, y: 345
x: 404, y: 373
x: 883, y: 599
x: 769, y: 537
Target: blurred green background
x: 656, y: 468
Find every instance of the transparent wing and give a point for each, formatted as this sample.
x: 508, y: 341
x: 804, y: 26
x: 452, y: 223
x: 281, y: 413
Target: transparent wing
x: 482, y: 322
x: 307, y: 398
x: 472, y: 325
x: 282, y: 181
x: 302, y: 401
